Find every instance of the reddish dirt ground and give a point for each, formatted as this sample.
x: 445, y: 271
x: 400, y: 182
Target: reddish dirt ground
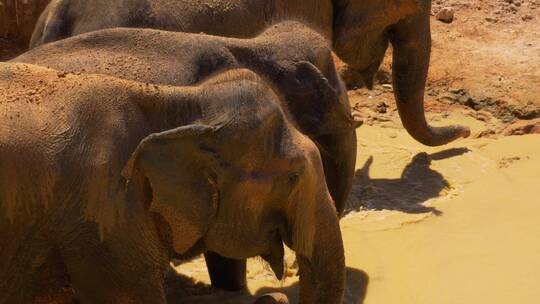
x: 485, y: 63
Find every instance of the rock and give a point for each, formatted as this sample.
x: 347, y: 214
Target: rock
x: 489, y: 133
x: 526, y: 17
x: 388, y: 86
x: 458, y: 91
x: 446, y: 14
x: 382, y: 107
x: 522, y: 127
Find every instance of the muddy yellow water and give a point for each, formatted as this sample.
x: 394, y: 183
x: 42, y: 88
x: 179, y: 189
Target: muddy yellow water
x: 454, y: 224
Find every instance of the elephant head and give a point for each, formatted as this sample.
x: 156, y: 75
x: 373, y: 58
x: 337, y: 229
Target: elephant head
x: 327, y: 119
x: 314, y: 94
x: 320, y: 106
x: 362, y: 31
x: 242, y: 186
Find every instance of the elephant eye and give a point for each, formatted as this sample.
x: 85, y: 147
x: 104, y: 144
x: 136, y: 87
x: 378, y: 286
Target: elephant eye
x: 293, y: 179
x: 214, y: 155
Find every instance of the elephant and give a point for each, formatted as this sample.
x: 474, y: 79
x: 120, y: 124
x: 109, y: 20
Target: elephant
x: 360, y: 31
x: 103, y: 179
x: 294, y: 58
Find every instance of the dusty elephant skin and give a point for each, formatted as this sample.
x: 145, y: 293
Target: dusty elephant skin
x: 296, y: 59
x: 103, y: 179
x: 359, y: 29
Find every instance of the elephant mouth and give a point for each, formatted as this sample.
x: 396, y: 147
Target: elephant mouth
x: 165, y: 235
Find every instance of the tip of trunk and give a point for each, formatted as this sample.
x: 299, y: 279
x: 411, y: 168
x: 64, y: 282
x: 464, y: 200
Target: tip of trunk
x: 438, y: 136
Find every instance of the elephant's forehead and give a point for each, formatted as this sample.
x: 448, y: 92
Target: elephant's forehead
x: 274, y: 168
x: 257, y: 169
x: 272, y: 154
x: 257, y: 187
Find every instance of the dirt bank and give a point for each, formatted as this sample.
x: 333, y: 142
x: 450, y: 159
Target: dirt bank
x: 485, y: 63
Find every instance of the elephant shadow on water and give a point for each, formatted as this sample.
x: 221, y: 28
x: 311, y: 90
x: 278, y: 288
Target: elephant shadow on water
x: 417, y: 184
x: 356, y: 284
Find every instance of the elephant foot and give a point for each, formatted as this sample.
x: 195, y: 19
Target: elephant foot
x: 272, y: 298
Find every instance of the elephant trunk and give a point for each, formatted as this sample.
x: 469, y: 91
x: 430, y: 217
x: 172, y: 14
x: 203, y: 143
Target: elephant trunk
x: 321, y: 260
x: 338, y: 153
x: 411, y: 39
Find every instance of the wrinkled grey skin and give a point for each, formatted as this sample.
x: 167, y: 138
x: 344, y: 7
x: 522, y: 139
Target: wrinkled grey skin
x: 360, y: 30
x: 295, y: 58
x: 103, y: 179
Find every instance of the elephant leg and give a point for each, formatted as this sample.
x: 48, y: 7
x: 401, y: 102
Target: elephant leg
x: 99, y: 279
x: 114, y: 270
x: 52, y: 281
x: 46, y: 282
x: 227, y: 274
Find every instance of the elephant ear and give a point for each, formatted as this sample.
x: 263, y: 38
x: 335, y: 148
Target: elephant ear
x: 320, y: 110
x: 180, y: 170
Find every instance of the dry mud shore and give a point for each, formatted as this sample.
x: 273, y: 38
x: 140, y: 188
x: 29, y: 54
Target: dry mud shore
x: 454, y: 224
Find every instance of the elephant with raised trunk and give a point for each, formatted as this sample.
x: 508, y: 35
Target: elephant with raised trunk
x: 294, y: 58
x: 359, y: 29
x: 103, y: 179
